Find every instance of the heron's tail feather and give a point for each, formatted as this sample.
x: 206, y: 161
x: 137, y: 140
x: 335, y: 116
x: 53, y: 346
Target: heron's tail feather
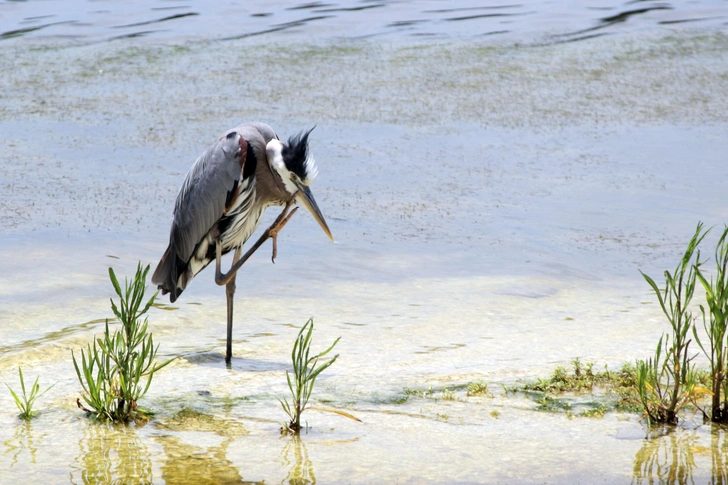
x: 166, y: 275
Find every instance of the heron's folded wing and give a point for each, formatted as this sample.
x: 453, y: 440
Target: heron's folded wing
x: 210, y: 183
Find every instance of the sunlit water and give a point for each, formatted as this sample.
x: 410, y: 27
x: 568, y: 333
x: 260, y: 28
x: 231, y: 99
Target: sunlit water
x: 491, y: 203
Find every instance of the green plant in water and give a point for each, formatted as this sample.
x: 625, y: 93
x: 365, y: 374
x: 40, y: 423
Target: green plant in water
x: 582, y: 378
x: 667, y: 382
x: 478, y: 388
x: 595, y: 412
x: 305, y: 370
x: 714, y: 323
x: 25, y: 402
x: 448, y: 395
x: 421, y: 393
x: 118, y: 369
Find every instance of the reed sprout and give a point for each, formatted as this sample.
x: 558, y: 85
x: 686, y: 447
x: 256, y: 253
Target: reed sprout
x: 117, y: 370
x: 667, y: 382
x: 715, y: 321
x: 306, y: 369
x: 25, y: 401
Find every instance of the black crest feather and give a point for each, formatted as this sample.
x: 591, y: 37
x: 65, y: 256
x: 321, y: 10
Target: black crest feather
x: 295, y: 154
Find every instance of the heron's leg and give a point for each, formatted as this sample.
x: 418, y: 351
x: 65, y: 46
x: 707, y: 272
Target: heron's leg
x: 272, y: 232
x: 230, y: 294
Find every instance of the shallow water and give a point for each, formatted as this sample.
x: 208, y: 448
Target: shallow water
x: 491, y: 204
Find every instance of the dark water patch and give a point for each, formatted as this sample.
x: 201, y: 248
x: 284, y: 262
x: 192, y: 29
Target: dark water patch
x: 483, y: 16
x: 135, y: 34
x: 297, y: 23
x: 178, y: 7
x: 466, y: 9
x: 39, y: 17
x: 351, y: 9
x: 18, y: 32
x: 622, y: 17
x: 684, y: 21
x: 217, y: 359
x: 583, y: 37
x: 495, y: 32
x: 253, y: 34
x: 439, y: 348
x: 406, y: 23
x: 279, y: 27
x: 608, y: 22
x: 203, y: 358
x: 156, y: 21
x: 263, y: 334
x: 311, y: 5
x: 164, y: 306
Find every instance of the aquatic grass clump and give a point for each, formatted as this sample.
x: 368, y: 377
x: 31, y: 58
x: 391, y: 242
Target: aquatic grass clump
x: 582, y: 378
x: 478, y: 388
x: 619, y: 388
x: 118, y: 369
x: 421, y: 393
x: 667, y: 382
x: 714, y: 324
x: 25, y: 402
x: 454, y: 393
x: 305, y: 371
x: 595, y: 411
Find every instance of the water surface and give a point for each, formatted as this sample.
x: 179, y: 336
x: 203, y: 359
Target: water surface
x: 83, y: 21
x: 491, y: 204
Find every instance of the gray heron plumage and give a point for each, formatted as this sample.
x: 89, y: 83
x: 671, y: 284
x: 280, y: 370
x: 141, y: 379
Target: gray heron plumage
x: 223, y: 197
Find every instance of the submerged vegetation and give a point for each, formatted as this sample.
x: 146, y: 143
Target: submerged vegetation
x: 305, y: 371
x: 580, y: 390
x: 616, y: 390
x: 25, y: 401
x: 117, y: 370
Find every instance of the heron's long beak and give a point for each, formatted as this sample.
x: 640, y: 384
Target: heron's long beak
x: 306, y: 198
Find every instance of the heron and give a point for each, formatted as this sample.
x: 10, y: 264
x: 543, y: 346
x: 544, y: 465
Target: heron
x: 221, y: 201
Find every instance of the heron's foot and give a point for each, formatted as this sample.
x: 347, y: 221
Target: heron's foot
x: 279, y: 223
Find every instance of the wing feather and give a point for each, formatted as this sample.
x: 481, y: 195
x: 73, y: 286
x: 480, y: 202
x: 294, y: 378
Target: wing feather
x: 201, y: 200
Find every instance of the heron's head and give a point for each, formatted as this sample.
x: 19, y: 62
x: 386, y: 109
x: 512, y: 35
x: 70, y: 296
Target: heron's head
x: 296, y: 169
